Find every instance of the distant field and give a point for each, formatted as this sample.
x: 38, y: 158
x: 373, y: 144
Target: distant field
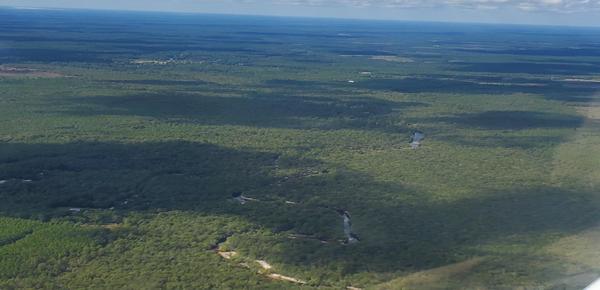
x: 144, y: 151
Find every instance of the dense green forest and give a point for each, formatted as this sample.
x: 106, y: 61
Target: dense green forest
x: 149, y: 151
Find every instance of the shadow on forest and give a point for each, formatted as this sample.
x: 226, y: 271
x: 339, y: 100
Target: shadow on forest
x: 412, y: 234
x: 533, y: 51
x: 162, y: 82
x: 530, y: 68
x: 470, y: 85
x: 412, y: 237
x: 261, y: 110
x: 55, y: 55
x: 523, y: 142
x: 513, y: 120
x: 103, y: 175
x: 580, y: 91
x: 501, y: 122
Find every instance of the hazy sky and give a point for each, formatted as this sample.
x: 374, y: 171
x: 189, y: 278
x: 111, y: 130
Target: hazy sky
x: 559, y: 12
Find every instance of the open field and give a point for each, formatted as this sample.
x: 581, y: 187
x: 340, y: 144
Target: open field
x: 141, y: 150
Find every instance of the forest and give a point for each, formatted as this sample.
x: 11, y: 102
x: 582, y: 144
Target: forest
x: 178, y: 151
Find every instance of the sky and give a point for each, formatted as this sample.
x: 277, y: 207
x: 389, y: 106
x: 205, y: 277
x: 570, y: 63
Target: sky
x: 548, y: 12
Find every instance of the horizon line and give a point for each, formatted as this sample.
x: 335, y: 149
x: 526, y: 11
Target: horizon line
x: 593, y: 27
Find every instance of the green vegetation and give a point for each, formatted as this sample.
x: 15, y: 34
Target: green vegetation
x: 124, y: 138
